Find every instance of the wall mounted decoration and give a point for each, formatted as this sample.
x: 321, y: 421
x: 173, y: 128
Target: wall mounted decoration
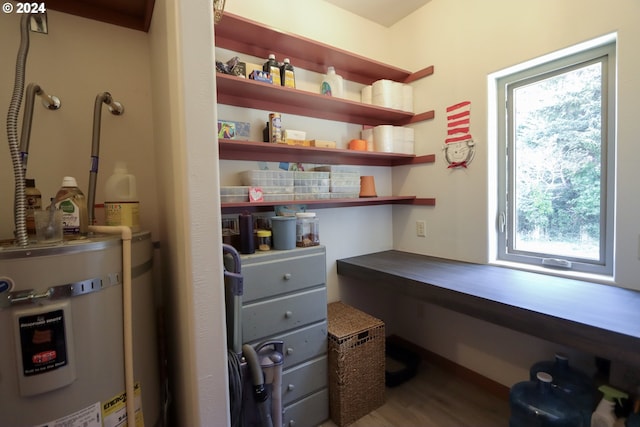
x: 459, y: 147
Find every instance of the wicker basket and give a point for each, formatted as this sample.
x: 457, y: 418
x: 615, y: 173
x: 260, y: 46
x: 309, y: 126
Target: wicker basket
x: 356, y: 363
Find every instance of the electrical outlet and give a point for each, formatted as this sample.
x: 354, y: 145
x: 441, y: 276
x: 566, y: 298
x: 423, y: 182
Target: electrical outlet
x: 421, y: 229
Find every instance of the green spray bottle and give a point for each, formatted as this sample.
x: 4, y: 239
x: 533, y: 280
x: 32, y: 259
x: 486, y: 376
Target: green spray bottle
x: 604, y: 415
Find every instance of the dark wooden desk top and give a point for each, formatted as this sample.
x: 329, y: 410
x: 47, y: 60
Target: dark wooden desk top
x: 598, y: 319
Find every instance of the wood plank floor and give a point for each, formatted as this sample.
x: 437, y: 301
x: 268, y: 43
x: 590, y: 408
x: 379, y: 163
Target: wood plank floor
x: 436, y: 398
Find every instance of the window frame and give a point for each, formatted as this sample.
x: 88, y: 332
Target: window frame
x: 604, y: 51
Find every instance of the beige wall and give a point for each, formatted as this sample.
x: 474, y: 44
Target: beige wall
x: 76, y: 61
x: 467, y: 41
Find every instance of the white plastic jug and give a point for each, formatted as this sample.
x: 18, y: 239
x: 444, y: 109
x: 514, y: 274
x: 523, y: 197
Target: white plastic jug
x: 332, y: 84
x: 121, y: 205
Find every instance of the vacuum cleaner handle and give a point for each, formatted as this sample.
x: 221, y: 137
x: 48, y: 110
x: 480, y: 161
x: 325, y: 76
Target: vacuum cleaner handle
x: 238, y: 282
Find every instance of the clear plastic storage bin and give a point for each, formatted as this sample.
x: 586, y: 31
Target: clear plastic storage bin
x: 267, y: 178
x: 234, y: 190
x: 278, y: 197
x: 234, y: 194
x: 305, y: 179
x: 312, y: 196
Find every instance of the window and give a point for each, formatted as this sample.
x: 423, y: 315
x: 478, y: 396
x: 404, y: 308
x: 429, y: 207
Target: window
x: 556, y: 162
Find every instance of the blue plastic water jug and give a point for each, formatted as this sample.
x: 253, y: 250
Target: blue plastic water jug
x: 578, y: 386
x: 539, y: 404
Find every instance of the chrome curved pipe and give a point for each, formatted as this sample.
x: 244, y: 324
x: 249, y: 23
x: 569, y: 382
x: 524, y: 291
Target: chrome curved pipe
x: 50, y: 102
x: 116, y: 109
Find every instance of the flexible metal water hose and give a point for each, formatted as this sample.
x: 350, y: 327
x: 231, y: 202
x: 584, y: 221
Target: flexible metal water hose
x: 22, y: 238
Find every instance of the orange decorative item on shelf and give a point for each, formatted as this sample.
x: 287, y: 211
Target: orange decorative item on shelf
x: 358, y: 144
x: 367, y: 186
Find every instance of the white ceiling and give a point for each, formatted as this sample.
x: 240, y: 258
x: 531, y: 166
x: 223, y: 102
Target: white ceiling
x: 384, y: 12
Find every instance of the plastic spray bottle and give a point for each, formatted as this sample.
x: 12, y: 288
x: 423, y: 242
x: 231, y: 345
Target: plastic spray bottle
x: 605, y: 415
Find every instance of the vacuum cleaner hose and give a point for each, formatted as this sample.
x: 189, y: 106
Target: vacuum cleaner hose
x: 259, y: 391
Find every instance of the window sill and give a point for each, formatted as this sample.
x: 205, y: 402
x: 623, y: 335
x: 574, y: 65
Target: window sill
x: 598, y: 319
x: 568, y: 274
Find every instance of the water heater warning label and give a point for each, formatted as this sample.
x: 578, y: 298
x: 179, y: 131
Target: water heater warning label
x: 87, y: 417
x: 43, y: 343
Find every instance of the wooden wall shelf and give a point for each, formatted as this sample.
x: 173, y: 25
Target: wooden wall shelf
x: 265, y: 152
x: 230, y: 208
x: 253, y: 38
x: 247, y: 93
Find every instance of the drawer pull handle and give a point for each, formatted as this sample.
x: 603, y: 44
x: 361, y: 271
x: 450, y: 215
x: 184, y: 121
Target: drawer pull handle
x: 288, y: 314
x: 289, y: 350
x: 290, y: 387
x: 287, y: 276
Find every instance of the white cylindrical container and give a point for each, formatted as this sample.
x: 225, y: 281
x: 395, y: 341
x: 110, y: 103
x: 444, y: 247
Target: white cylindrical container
x: 367, y: 135
x: 383, y: 138
x: 366, y: 94
x: 397, y: 95
x: 398, y: 139
x: 409, y: 141
x: 382, y: 93
x: 121, y: 204
x: 407, y: 98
